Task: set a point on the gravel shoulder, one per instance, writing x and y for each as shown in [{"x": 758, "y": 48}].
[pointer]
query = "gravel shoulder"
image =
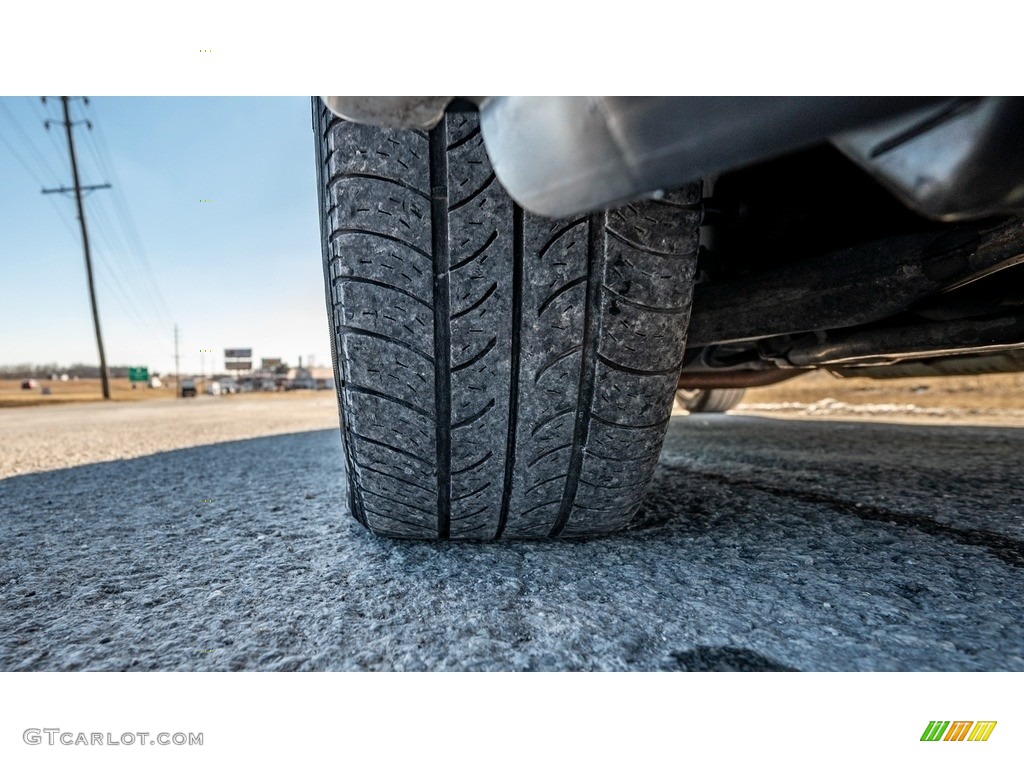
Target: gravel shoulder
[{"x": 60, "y": 436}]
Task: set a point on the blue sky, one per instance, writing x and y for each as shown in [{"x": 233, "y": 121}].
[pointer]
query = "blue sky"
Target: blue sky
[{"x": 241, "y": 271}]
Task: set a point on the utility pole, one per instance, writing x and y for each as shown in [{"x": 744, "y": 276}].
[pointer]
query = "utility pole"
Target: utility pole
[
  {"x": 78, "y": 189},
  {"x": 177, "y": 371}
]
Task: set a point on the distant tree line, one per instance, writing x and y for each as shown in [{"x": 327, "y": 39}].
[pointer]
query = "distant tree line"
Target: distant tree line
[{"x": 46, "y": 370}]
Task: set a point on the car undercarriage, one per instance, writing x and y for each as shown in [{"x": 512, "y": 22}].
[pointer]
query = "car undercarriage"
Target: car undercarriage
[{"x": 520, "y": 287}]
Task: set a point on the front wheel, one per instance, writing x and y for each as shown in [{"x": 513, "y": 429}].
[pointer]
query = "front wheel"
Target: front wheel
[{"x": 499, "y": 374}]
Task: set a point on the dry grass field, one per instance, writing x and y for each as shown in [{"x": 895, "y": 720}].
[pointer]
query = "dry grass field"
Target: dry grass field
[
  {"x": 996, "y": 400},
  {"x": 88, "y": 391},
  {"x": 999, "y": 390},
  {"x": 84, "y": 391},
  {"x": 974, "y": 393}
]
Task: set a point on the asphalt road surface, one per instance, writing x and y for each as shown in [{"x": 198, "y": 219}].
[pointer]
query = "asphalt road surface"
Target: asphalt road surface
[{"x": 765, "y": 545}]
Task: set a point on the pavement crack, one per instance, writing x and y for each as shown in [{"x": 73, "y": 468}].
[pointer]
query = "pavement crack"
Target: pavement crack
[{"x": 1005, "y": 548}]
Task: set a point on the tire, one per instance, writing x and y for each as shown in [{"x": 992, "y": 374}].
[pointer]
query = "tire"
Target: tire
[
  {"x": 498, "y": 374},
  {"x": 709, "y": 400}
]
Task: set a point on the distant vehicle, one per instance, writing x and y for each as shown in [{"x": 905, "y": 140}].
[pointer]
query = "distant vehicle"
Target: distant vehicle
[
  {"x": 29, "y": 383},
  {"x": 155, "y": 383},
  {"x": 213, "y": 388},
  {"x": 188, "y": 388},
  {"x": 228, "y": 386}
]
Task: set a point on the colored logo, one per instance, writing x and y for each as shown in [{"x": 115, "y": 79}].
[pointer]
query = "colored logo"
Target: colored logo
[{"x": 958, "y": 730}]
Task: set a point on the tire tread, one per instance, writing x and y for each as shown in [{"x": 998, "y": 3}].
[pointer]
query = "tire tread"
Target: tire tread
[{"x": 495, "y": 370}]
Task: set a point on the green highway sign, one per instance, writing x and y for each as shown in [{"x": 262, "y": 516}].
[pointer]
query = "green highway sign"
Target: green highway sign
[{"x": 138, "y": 374}]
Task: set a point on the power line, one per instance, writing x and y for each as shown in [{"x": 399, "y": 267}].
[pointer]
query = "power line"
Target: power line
[
  {"x": 110, "y": 233},
  {"x": 28, "y": 142},
  {"x": 63, "y": 217},
  {"x": 101, "y": 151},
  {"x": 104, "y": 248},
  {"x": 31, "y": 172},
  {"x": 120, "y": 248},
  {"x": 103, "y": 169},
  {"x": 99, "y": 212},
  {"x": 137, "y": 249},
  {"x": 124, "y": 301},
  {"x": 21, "y": 160},
  {"x": 124, "y": 254},
  {"x": 114, "y": 235},
  {"x": 110, "y": 253},
  {"x": 113, "y": 267}
]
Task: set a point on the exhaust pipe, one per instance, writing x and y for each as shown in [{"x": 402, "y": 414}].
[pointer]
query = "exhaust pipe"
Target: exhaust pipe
[{"x": 563, "y": 156}]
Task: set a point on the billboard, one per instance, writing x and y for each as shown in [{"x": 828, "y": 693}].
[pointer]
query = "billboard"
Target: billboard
[
  {"x": 238, "y": 365},
  {"x": 238, "y": 352},
  {"x": 270, "y": 363}
]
